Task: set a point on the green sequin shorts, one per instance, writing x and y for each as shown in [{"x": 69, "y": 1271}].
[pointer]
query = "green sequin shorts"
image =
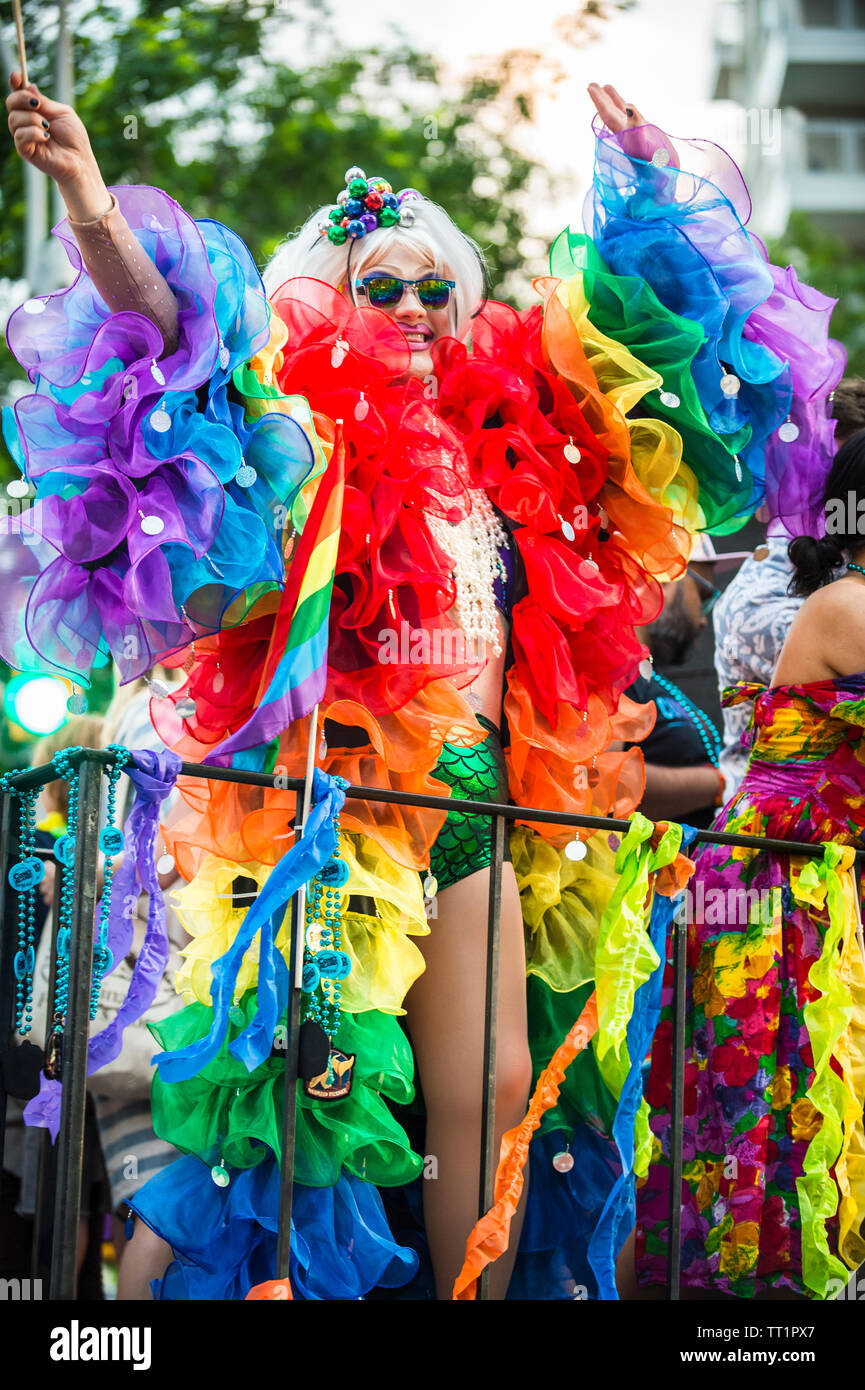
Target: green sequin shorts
[{"x": 464, "y": 843}]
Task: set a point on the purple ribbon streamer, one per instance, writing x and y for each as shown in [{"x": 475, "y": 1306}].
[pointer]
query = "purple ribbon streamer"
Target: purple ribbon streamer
[{"x": 153, "y": 776}]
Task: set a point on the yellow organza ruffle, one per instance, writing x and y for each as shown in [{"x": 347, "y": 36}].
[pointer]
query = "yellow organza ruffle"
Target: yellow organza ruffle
[
  {"x": 656, "y": 448},
  {"x": 850, "y": 1168},
  {"x": 833, "y": 1021},
  {"x": 207, "y": 911},
  {"x": 563, "y": 901},
  {"x": 385, "y": 961}
]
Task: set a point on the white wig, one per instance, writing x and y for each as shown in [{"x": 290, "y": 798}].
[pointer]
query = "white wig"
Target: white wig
[{"x": 454, "y": 256}]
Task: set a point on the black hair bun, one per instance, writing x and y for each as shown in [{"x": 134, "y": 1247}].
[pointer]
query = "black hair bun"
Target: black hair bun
[{"x": 814, "y": 562}]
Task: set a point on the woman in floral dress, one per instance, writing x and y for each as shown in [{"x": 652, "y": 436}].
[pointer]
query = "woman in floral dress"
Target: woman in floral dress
[{"x": 773, "y": 1144}]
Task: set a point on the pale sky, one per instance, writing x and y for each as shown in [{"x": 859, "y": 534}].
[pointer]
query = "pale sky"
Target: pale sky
[{"x": 659, "y": 56}]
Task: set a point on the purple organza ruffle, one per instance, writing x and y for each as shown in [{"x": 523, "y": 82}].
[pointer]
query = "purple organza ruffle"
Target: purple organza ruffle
[{"x": 116, "y": 434}]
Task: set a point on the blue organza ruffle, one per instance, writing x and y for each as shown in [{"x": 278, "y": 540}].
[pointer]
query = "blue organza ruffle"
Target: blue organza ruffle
[
  {"x": 682, "y": 230},
  {"x": 224, "y": 1238}
]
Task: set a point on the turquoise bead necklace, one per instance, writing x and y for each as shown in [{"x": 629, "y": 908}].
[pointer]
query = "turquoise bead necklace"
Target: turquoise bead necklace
[
  {"x": 860, "y": 569},
  {"x": 24, "y": 877},
  {"x": 29, "y": 872},
  {"x": 110, "y": 843},
  {"x": 64, "y": 853},
  {"x": 709, "y": 736}
]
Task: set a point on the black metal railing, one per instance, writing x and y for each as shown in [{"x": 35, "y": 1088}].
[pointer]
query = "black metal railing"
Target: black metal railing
[{"x": 67, "y": 1193}]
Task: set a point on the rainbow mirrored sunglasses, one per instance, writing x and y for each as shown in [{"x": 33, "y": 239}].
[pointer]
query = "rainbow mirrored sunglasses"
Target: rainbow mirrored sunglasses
[
  {"x": 365, "y": 204},
  {"x": 383, "y": 291}
]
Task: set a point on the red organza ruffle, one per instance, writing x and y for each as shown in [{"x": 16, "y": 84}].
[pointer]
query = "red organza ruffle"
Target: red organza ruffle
[{"x": 591, "y": 540}]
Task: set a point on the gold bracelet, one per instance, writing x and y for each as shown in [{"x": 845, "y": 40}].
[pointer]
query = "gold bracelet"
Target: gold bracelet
[{"x": 94, "y": 221}]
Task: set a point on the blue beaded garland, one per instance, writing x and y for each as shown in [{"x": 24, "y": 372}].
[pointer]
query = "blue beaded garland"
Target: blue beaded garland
[
  {"x": 64, "y": 850},
  {"x": 26, "y": 874},
  {"x": 24, "y": 877},
  {"x": 110, "y": 842},
  {"x": 325, "y": 967}
]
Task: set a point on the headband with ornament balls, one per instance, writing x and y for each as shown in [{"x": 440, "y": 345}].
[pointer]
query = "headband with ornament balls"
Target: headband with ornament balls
[{"x": 365, "y": 205}]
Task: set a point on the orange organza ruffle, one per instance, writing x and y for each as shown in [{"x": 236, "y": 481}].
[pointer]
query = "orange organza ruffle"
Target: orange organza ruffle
[
  {"x": 565, "y": 768},
  {"x": 646, "y": 523},
  {"x": 253, "y": 823},
  {"x": 671, "y": 878},
  {"x": 276, "y": 1290},
  {"x": 489, "y": 1237}
]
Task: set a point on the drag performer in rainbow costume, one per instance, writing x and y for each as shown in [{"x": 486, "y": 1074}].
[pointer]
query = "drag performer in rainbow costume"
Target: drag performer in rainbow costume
[{"x": 249, "y": 484}]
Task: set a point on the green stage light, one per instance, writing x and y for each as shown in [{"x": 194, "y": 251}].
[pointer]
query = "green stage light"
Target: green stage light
[{"x": 37, "y": 703}]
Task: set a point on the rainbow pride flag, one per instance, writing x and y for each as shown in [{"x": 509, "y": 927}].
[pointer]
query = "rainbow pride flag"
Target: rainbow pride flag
[{"x": 295, "y": 670}]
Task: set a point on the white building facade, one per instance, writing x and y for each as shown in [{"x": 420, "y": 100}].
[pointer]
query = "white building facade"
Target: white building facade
[{"x": 797, "y": 67}]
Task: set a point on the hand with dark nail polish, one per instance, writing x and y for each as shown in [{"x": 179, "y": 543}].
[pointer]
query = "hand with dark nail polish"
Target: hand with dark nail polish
[{"x": 53, "y": 140}]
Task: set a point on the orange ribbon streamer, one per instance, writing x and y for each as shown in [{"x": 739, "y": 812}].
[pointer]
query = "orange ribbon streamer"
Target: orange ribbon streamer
[
  {"x": 489, "y": 1237},
  {"x": 671, "y": 878},
  {"x": 272, "y": 1289}
]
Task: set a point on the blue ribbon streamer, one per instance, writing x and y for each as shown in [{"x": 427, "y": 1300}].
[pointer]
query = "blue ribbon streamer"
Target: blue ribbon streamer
[
  {"x": 620, "y": 1208},
  {"x": 302, "y": 862}
]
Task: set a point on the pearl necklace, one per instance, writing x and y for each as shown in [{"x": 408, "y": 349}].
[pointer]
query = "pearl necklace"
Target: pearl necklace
[{"x": 473, "y": 546}]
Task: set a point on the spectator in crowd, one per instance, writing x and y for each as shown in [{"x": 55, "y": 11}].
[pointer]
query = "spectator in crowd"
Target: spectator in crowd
[{"x": 755, "y": 611}]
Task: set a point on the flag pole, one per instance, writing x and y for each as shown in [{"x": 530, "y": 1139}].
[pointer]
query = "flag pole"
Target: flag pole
[
  {"x": 307, "y": 798},
  {"x": 298, "y": 942},
  {"x": 19, "y": 34},
  {"x": 311, "y": 750}
]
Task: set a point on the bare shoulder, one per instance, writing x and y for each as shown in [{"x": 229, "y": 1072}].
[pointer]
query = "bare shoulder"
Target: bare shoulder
[
  {"x": 827, "y": 636},
  {"x": 837, "y": 624},
  {"x": 844, "y": 598}
]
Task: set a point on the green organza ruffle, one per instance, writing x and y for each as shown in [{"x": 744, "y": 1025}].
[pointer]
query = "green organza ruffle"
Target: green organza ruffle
[
  {"x": 227, "y": 1113},
  {"x": 626, "y": 959},
  {"x": 627, "y": 309},
  {"x": 583, "y": 1096}
]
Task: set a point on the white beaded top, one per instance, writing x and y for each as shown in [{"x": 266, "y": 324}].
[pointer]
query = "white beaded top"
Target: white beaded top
[{"x": 473, "y": 546}]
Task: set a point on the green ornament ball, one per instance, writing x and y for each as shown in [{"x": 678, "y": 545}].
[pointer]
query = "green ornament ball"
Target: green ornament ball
[
  {"x": 388, "y": 216},
  {"x": 337, "y": 235},
  {"x": 358, "y": 188}
]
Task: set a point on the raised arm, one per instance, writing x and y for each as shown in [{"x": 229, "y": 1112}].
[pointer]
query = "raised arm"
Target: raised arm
[
  {"x": 53, "y": 139},
  {"x": 640, "y": 140}
]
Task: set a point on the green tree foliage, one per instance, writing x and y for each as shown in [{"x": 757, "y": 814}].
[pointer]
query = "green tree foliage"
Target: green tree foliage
[
  {"x": 826, "y": 262},
  {"x": 207, "y": 102},
  {"x": 250, "y": 113}
]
